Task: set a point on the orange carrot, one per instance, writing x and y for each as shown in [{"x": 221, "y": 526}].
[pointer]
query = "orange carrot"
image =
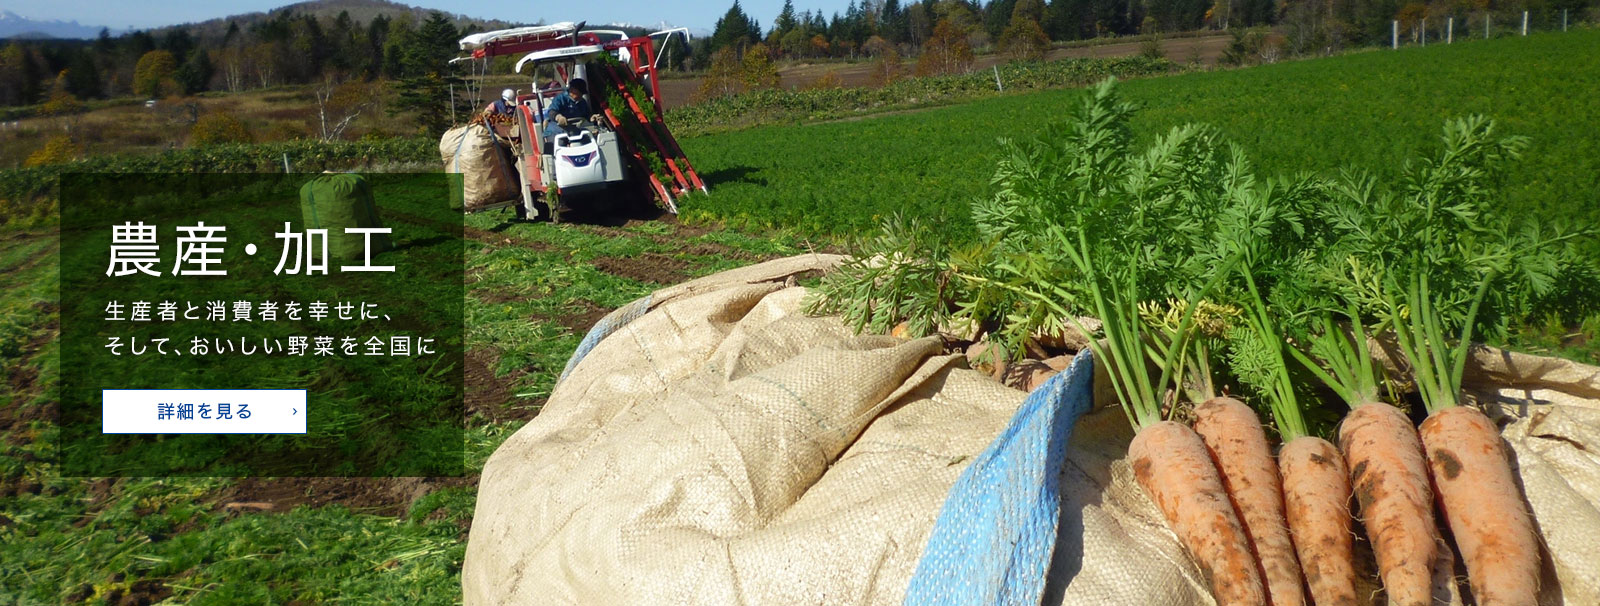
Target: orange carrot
[
  {"x": 1390, "y": 480},
  {"x": 1316, "y": 497},
  {"x": 1237, "y": 444},
  {"x": 1172, "y": 465},
  {"x": 1483, "y": 506}
]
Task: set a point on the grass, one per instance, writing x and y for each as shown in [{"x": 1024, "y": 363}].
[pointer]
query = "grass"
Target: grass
[
  {"x": 1366, "y": 110},
  {"x": 87, "y": 541}
]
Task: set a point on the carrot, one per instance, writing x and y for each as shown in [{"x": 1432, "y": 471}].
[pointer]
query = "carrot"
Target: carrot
[
  {"x": 1233, "y": 436},
  {"x": 1483, "y": 506},
  {"x": 1316, "y": 495},
  {"x": 1172, "y": 465},
  {"x": 1390, "y": 480},
  {"x": 1169, "y": 460}
]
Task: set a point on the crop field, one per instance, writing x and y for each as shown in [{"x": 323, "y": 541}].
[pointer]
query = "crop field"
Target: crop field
[
  {"x": 534, "y": 289},
  {"x": 1366, "y": 111}
]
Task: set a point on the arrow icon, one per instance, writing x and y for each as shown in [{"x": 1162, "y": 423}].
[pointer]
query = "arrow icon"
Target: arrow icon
[{"x": 296, "y": 411}]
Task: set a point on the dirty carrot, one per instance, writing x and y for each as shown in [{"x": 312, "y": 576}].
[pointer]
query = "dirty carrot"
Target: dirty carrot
[
  {"x": 1477, "y": 490},
  {"x": 1316, "y": 496},
  {"x": 1172, "y": 465},
  {"x": 1169, "y": 460},
  {"x": 1483, "y": 506},
  {"x": 1383, "y": 456},
  {"x": 1233, "y": 436},
  {"x": 1391, "y": 485}
]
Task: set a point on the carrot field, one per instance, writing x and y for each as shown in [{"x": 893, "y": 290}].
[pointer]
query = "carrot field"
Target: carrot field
[{"x": 1368, "y": 110}]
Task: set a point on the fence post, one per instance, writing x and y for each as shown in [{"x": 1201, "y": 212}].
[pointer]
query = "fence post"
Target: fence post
[
  {"x": 1424, "y": 31},
  {"x": 1563, "y": 19},
  {"x": 1486, "y": 18},
  {"x": 1524, "y": 23},
  {"x": 997, "y": 83},
  {"x": 285, "y": 161},
  {"x": 1450, "y": 30},
  {"x": 1394, "y": 34}
]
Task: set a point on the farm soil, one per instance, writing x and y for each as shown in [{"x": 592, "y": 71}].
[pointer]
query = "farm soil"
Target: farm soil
[{"x": 380, "y": 496}]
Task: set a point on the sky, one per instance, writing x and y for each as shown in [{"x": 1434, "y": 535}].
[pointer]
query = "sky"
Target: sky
[{"x": 698, "y": 16}]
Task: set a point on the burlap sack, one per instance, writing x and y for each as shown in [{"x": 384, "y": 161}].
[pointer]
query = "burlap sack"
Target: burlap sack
[
  {"x": 486, "y": 173},
  {"x": 712, "y": 445}
]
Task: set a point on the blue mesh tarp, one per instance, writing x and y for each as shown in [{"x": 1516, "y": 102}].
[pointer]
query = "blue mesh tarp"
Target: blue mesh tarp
[
  {"x": 613, "y": 322},
  {"x": 994, "y": 537}
]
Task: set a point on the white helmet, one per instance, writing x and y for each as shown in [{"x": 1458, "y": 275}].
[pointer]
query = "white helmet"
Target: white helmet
[{"x": 508, "y": 94}]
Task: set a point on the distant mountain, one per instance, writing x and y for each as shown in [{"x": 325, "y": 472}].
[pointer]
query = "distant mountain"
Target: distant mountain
[
  {"x": 362, "y": 11},
  {"x": 13, "y": 25}
]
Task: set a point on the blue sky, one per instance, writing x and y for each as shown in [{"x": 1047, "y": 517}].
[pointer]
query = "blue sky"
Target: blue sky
[{"x": 142, "y": 14}]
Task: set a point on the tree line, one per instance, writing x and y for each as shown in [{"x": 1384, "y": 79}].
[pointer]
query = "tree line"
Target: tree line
[
  {"x": 289, "y": 48},
  {"x": 872, "y": 26},
  {"x": 286, "y": 48}
]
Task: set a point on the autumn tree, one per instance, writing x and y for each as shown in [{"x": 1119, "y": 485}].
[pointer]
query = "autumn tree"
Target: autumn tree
[
  {"x": 723, "y": 78},
  {"x": 219, "y": 127},
  {"x": 60, "y": 101},
  {"x": 887, "y": 68},
  {"x": 820, "y": 46},
  {"x": 757, "y": 69},
  {"x": 946, "y": 52},
  {"x": 1024, "y": 39},
  {"x": 58, "y": 150},
  {"x": 153, "y": 75}
]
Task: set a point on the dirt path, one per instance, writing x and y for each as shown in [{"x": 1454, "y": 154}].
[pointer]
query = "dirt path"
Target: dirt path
[{"x": 1205, "y": 49}]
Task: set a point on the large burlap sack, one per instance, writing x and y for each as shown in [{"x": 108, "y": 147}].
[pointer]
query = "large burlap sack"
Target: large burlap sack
[
  {"x": 486, "y": 173},
  {"x": 338, "y": 201},
  {"x": 712, "y": 445}
]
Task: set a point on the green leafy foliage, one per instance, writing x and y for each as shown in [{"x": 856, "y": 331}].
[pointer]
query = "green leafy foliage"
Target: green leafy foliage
[
  {"x": 1366, "y": 111},
  {"x": 1083, "y": 222},
  {"x": 766, "y": 106}
]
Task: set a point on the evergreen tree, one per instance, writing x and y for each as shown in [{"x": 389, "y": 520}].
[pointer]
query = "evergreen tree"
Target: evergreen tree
[
  {"x": 892, "y": 23},
  {"x": 786, "y": 21},
  {"x": 735, "y": 29},
  {"x": 195, "y": 74},
  {"x": 997, "y": 15}
]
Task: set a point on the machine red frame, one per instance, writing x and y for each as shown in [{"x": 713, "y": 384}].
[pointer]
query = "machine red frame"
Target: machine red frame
[{"x": 640, "y": 68}]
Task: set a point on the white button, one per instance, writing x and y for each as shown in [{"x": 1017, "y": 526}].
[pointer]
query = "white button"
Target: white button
[{"x": 156, "y": 411}]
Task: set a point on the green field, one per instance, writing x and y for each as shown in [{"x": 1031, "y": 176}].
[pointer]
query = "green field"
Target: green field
[
  {"x": 534, "y": 289},
  {"x": 1370, "y": 110}
]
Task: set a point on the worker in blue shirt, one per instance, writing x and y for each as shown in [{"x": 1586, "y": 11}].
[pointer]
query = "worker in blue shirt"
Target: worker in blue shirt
[
  {"x": 506, "y": 104},
  {"x": 569, "y": 108}
]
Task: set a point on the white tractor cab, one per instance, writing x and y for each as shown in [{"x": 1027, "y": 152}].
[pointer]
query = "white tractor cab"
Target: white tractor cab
[
  {"x": 585, "y": 163},
  {"x": 582, "y": 157}
]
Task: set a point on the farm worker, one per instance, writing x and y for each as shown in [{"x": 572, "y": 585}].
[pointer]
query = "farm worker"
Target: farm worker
[
  {"x": 506, "y": 104},
  {"x": 568, "y": 108}
]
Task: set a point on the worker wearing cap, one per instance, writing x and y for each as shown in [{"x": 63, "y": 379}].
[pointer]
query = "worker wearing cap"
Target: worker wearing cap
[
  {"x": 568, "y": 108},
  {"x": 506, "y": 104}
]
